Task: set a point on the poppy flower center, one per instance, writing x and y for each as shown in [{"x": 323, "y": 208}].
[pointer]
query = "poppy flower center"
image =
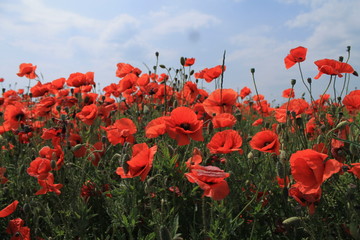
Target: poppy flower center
[
  {"x": 185, "y": 126},
  {"x": 19, "y": 116}
]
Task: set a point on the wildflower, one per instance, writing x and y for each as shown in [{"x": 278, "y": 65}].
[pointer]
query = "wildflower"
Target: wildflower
[
  {"x": 220, "y": 101},
  {"x": 196, "y": 158},
  {"x": 9, "y": 209},
  {"x": 266, "y": 141},
  {"x": 80, "y": 79},
  {"x": 355, "y": 169},
  {"x": 223, "y": 120},
  {"x": 123, "y": 69},
  {"x": 189, "y": 62},
  {"x": 39, "y": 168},
  {"x": 140, "y": 163},
  {"x": 332, "y": 67},
  {"x": 244, "y": 92},
  {"x": 296, "y": 55},
  {"x": 88, "y": 114},
  {"x": 288, "y": 93},
  {"x": 156, "y": 127},
  {"x": 211, "y": 179},
  {"x": 209, "y": 74},
  {"x": 352, "y": 101},
  {"x": 183, "y": 125},
  {"x": 47, "y": 185},
  {"x": 305, "y": 199},
  {"x": 27, "y": 70},
  {"x": 17, "y": 230},
  {"x": 310, "y": 169},
  {"x": 121, "y": 131},
  {"x": 225, "y": 142}
]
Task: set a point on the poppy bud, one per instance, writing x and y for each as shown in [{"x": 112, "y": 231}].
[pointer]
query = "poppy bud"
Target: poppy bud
[
  {"x": 103, "y": 139},
  {"x": 250, "y": 155},
  {"x": 291, "y": 220},
  {"x": 252, "y": 70},
  {"x": 192, "y": 72},
  {"x": 162, "y": 66},
  {"x": 77, "y": 147},
  {"x": 355, "y": 73},
  {"x": 58, "y": 108},
  {"x": 309, "y": 80},
  {"x": 342, "y": 124},
  {"x": 53, "y": 164},
  {"x": 341, "y": 59},
  {"x": 182, "y": 61},
  {"x": 348, "y": 48},
  {"x": 157, "y": 54},
  {"x": 293, "y": 82}
]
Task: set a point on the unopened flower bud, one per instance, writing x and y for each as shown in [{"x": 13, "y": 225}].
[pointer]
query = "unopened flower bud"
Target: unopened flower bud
[{"x": 293, "y": 82}]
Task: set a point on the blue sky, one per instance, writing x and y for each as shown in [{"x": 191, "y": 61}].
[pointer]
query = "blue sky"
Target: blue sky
[{"x": 63, "y": 37}]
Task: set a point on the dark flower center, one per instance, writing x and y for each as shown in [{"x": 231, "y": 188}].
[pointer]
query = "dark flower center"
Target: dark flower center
[
  {"x": 19, "y": 116},
  {"x": 185, "y": 126}
]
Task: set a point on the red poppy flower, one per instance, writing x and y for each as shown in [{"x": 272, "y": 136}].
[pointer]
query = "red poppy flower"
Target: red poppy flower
[
  {"x": 80, "y": 79},
  {"x": 88, "y": 114},
  {"x": 211, "y": 180},
  {"x": 310, "y": 169},
  {"x": 55, "y": 154},
  {"x": 332, "y": 67},
  {"x": 39, "y": 168},
  {"x": 47, "y": 185},
  {"x": 225, "y": 142},
  {"x": 123, "y": 69},
  {"x": 9, "y": 209},
  {"x": 17, "y": 230},
  {"x": 223, "y": 120},
  {"x": 305, "y": 199},
  {"x": 297, "y": 105},
  {"x": 156, "y": 127},
  {"x": 220, "y": 101},
  {"x": 189, "y": 62},
  {"x": 189, "y": 93},
  {"x": 196, "y": 158},
  {"x": 355, "y": 169},
  {"x": 288, "y": 93},
  {"x": 27, "y": 70},
  {"x": 244, "y": 92},
  {"x": 209, "y": 74},
  {"x": 296, "y": 55},
  {"x": 352, "y": 101},
  {"x": 258, "y": 122},
  {"x": 140, "y": 163},
  {"x": 183, "y": 125},
  {"x": 121, "y": 131},
  {"x": 15, "y": 114},
  {"x": 266, "y": 141}
]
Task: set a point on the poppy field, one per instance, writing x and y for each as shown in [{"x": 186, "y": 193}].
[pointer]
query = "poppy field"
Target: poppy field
[{"x": 155, "y": 156}]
